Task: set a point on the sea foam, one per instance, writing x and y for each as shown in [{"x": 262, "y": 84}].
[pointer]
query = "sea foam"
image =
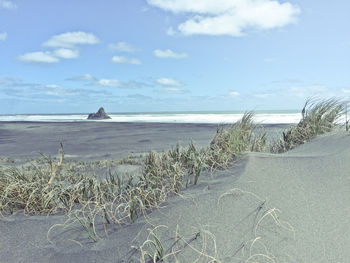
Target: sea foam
[{"x": 263, "y": 118}]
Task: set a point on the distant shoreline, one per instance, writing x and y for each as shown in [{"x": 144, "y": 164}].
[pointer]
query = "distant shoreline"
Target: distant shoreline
[
  {"x": 197, "y": 117},
  {"x": 161, "y": 112}
]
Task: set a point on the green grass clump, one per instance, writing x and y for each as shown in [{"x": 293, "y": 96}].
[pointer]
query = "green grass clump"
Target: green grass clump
[
  {"x": 228, "y": 144},
  {"x": 317, "y": 118},
  {"x": 176, "y": 168}
]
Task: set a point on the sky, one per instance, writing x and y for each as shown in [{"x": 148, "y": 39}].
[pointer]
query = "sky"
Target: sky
[{"x": 63, "y": 56}]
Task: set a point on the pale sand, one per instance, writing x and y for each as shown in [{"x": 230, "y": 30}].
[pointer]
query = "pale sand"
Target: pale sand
[{"x": 309, "y": 185}]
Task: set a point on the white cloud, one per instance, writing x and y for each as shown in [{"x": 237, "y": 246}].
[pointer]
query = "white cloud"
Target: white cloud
[
  {"x": 65, "y": 53},
  {"x": 125, "y": 60},
  {"x": 169, "y": 82},
  {"x": 347, "y": 91},
  {"x": 7, "y": 4},
  {"x": 66, "y": 47},
  {"x": 194, "y": 6},
  {"x": 227, "y": 17},
  {"x": 71, "y": 39},
  {"x": 3, "y": 36},
  {"x": 123, "y": 47},
  {"x": 234, "y": 93},
  {"x": 167, "y": 53},
  {"x": 107, "y": 83},
  {"x": 39, "y": 57},
  {"x": 48, "y": 56}
]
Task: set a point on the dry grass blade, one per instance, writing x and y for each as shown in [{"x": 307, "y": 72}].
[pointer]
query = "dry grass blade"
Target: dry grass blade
[{"x": 57, "y": 166}]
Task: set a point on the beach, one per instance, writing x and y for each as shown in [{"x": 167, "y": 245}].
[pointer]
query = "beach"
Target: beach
[
  {"x": 174, "y": 131},
  {"x": 96, "y": 140},
  {"x": 289, "y": 207}
]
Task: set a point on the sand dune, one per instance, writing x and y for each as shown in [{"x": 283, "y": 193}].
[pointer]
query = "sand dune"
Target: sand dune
[
  {"x": 291, "y": 207},
  {"x": 307, "y": 188}
]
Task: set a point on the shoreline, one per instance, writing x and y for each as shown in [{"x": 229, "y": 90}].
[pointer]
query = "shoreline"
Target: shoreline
[{"x": 266, "y": 117}]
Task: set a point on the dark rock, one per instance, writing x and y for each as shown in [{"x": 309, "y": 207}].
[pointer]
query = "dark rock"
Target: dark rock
[{"x": 100, "y": 115}]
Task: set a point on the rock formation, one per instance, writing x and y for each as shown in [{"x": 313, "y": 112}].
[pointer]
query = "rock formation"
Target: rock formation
[{"x": 100, "y": 115}]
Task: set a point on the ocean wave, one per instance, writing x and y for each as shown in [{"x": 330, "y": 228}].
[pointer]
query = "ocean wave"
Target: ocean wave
[{"x": 263, "y": 118}]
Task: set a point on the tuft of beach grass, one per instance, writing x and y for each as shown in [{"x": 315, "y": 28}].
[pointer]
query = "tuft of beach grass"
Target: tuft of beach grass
[
  {"x": 229, "y": 144},
  {"x": 318, "y": 117}
]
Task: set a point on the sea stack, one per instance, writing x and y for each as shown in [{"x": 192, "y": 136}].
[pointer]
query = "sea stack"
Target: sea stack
[{"x": 100, "y": 115}]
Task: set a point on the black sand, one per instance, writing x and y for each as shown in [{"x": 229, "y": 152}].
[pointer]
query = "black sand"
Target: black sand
[{"x": 291, "y": 207}]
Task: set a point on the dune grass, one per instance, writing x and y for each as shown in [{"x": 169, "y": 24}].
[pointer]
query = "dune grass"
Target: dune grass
[
  {"x": 229, "y": 144},
  {"x": 50, "y": 186},
  {"x": 46, "y": 188},
  {"x": 318, "y": 117}
]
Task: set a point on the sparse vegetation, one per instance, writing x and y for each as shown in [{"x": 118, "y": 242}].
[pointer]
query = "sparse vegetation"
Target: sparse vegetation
[
  {"x": 318, "y": 118},
  {"x": 50, "y": 186},
  {"x": 228, "y": 144}
]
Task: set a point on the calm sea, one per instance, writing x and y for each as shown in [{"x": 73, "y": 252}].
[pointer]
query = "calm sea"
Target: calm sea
[{"x": 263, "y": 117}]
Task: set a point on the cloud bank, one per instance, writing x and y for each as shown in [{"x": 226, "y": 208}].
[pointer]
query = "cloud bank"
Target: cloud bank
[{"x": 228, "y": 17}]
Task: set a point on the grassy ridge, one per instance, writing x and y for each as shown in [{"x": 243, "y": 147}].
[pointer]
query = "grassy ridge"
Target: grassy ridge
[
  {"x": 49, "y": 188},
  {"x": 53, "y": 187}
]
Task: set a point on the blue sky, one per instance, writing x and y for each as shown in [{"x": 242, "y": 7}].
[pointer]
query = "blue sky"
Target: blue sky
[{"x": 171, "y": 55}]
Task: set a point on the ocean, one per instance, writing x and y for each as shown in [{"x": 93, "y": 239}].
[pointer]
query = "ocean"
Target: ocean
[{"x": 262, "y": 117}]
